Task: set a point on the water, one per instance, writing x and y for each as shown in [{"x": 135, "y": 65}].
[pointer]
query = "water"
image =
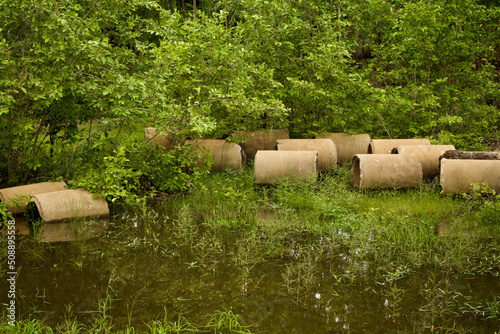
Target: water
[{"x": 280, "y": 280}]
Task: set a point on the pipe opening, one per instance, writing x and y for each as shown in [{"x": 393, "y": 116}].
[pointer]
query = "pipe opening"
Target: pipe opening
[
  {"x": 355, "y": 172},
  {"x": 370, "y": 148}
]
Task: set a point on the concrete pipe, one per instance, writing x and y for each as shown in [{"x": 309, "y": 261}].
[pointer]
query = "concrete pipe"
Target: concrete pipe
[
  {"x": 348, "y": 145},
  {"x": 457, "y": 175},
  {"x": 17, "y": 198},
  {"x": 223, "y": 153},
  {"x": 269, "y": 166},
  {"x": 68, "y": 204},
  {"x": 427, "y": 154},
  {"x": 327, "y": 153},
  {"x": 155, "y": 137},
  {"x": 260, "y": 140},
  {"x": 370, "y": 171},
  {"x": 385, "y": 146}
]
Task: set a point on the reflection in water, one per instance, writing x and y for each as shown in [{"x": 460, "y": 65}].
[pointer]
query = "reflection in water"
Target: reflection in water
[
  {"x": 21, "y": 226},
  {"x": 60, "y": 232},
  {"x": 70, "y": 231}
]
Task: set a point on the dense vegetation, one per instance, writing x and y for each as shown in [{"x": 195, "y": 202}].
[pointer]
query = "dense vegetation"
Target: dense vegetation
[{"x": 81, "y": 79}]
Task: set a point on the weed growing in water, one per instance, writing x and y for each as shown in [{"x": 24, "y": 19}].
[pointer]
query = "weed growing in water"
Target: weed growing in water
[
  {"x": 103, "y": 322},
  {"x": 185, "y": 229},
  {"x": 182, "y": 325},
  {"x": 299, "y": 276},
  {"x": 220, "y": 322}
]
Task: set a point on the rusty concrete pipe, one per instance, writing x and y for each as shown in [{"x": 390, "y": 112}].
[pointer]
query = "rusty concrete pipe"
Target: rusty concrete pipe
[
  {"x": 155, "y": 137},
  {"x": 223, "y": 153},
  {"x": 69, "y": 204}
]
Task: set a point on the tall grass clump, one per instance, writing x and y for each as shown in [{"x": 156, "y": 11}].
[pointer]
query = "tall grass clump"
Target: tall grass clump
[{"x": 226, "y": 197}]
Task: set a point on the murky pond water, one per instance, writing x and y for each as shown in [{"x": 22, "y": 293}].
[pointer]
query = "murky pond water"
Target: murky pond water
[{"x": 280, "y": 280}]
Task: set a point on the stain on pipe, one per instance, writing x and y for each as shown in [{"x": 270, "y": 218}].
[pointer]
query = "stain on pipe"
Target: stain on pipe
[{"x": 475, "y": 155}]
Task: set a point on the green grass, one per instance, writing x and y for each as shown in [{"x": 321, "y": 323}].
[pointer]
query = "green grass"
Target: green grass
[{"x": 218, "y": 322}]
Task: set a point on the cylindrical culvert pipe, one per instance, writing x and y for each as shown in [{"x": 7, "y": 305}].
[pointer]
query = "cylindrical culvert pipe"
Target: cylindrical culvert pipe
[
  {"x": 155, "y": 137},
  {"x": 327, "y": 153},
  {"x": 260, "y": 140},
  {"x": 269, "y": 166},
  {"x": 385, "y": 146},
  {"x": 348, "y": 145},
  {"x": 458, "y": 175},
  {"x": 17, "y": 198},
  {"x": 370, "y": 171},
  {"x": 223, "y": 153},
  {"x": 69, "y": 204},
  {"x": 427, "y": 154}
]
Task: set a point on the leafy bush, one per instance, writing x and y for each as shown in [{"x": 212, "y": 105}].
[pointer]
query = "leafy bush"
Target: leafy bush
[{"x": 141, "y": 171}]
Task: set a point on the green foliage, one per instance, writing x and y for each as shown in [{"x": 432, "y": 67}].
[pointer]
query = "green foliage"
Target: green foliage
[
  {"x": 5, "y": 215},
  {"x": 220, "y": 322},
  {"x": 113, "y": 180},
  {"x": 135, "y": 173},
  {"x": 207, "y": 83},
  {"x": 436, "y": 63},
  {"x": 167, "y": 172},
  {"x": 481, "y": 195},
  {"x": 300, "y": 42},
  {"x": 65, "y": 64},
  {"x": 483, "y": 201}
]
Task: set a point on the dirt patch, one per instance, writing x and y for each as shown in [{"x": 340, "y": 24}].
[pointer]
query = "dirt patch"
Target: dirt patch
[{"x": 476, "y": 155}]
